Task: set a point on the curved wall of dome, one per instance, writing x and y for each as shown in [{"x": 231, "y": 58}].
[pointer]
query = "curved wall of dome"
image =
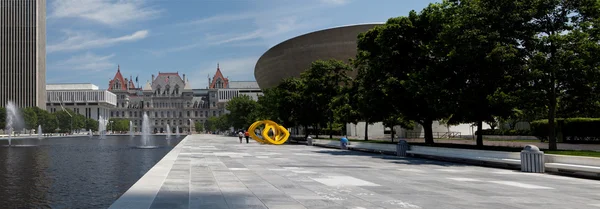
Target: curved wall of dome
[{"x": 294, "y": 56}]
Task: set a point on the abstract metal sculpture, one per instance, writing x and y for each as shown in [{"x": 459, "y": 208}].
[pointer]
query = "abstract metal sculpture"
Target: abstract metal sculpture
[{"x": 280, "y": 133}]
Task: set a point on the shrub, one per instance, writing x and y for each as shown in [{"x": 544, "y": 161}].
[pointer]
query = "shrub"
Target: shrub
[
  {"x": 499, "y": 132},
  {"x": 578, "y": 130}
]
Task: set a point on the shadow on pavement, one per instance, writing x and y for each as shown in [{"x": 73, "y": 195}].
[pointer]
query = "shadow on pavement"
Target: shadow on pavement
[{"x": 391, "y": 158}]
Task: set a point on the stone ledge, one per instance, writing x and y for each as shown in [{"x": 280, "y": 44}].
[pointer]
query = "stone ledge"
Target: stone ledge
[
  {"x": 587, "y": 167},
  {"x": 142, "y": 193}
]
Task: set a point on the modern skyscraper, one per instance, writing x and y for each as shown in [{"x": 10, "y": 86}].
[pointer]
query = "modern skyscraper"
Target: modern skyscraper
[{"x": 23, "y": 52}]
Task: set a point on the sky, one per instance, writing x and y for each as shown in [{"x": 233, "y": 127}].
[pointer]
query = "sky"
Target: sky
[{"x": 88, "y": 39}]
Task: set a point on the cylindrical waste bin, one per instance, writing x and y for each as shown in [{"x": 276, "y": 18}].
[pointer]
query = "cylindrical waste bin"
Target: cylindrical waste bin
[
  {"x": 401, "y": 148},
  {"x": 532, "y": 160},
  {"x": 309, "y": 141}
]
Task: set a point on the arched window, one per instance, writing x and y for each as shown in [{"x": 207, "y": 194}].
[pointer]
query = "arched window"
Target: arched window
[
  {"x": 157, "y": 92},
  {"x": 176, "y": 92},
  {"x": 167, "y": 90}
]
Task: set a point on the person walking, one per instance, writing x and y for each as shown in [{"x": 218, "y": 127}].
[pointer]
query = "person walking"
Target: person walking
[
  {"x": 247, "y": 135},
  {"x": 241, "y": 135}
]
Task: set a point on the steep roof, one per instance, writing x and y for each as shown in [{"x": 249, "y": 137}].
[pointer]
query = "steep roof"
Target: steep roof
[
  {"x": 188, "y": 85},
  {"x": 131, "y": 84},
  {"x": 218, "y": 74},
  {"x": 148, "y": 86},
  {"x": 118, "y": 77}
]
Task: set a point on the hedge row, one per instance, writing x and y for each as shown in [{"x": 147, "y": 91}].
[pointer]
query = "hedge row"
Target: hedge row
[
  {"x": 574, "y": 130},
  {"x": 499, "y": 132}
]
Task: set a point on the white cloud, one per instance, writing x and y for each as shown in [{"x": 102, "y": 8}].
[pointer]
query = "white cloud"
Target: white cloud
[
  {"x": 108, "y": 12},
  {"x": 86, "y": 40},
  {"x": 88, "y": 62},
  {"x": 219, "y": 19},
  {"x": 237, "y": 69},
  {"x": 336, "y": 2},
  {"x": 269, "y": 25}
]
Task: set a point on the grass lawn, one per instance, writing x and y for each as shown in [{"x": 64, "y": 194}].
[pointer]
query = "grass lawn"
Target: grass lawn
[
  {"x": 583, "y": 153},
  {"x": 574, "y": 153},
  {"x": 493, "y": 139}
]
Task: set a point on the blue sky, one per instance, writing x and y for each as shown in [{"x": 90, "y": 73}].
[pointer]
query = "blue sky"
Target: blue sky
[{"x": 87, "y": 39}]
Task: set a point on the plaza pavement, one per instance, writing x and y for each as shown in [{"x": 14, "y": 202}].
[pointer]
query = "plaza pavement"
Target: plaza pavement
[{"x": 209, "y": 171}]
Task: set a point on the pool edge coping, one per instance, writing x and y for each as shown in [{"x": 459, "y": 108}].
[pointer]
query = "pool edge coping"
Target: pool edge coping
[{"x": 142, "y": 193}]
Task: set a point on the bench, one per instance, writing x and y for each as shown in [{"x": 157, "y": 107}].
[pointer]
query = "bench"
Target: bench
[
  {"x": 561, "y": 163},
  {"x": 512, "y": 159}
]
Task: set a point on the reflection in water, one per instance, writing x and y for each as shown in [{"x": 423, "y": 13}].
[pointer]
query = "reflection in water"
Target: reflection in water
[{"x": 73, "y": 172}]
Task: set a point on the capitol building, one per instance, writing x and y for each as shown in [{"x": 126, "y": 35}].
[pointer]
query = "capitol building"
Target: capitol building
[{"x": 168, "y": 99}]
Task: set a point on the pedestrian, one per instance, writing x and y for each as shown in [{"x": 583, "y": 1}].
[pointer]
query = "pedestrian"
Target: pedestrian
[
  {"x": 247, "y": 135},
  {"x": 241, "y": 135},
  {"x": 344, "y": 143}
]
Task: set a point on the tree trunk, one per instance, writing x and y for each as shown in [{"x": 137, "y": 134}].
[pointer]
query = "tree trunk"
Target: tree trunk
[
  {"x": 552, "y": 106},
  {"x": 366, "y": 131},
  {"x": 392, "y": 133},
  {"x": 317, "y": 131},
  {"x": 428, "y": 131},
  {"x": 479, "y": 133},
  {"x": 551, "y": 117},
  {"x": 331, "y": 128},
  {"x": 306, "y": 131}
]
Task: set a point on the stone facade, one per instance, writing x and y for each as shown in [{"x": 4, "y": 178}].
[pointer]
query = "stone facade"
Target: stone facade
[
  {"x": 23, "y": 53},
  {"x": 169, "y": 99},
  {"x": 84, "y": 99}
]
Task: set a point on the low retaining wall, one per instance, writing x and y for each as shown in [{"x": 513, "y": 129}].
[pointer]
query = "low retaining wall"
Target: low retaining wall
[{"x": 585, "y": 166}]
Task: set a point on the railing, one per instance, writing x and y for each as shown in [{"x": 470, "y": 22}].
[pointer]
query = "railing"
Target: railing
[{"x": 436, "y": 135}]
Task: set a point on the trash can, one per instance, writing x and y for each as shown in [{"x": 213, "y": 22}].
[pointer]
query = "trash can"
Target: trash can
[
  {"x": 532, "y": 160},
  {"x": 401, "y": 148},
  {"x": 309, "y": 141}
]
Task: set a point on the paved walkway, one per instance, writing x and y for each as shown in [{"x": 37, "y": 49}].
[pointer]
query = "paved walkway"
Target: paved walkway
[{"x": 208, "y": 171}]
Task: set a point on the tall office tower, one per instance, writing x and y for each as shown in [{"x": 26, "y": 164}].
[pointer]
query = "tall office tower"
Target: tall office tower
[{"x": 23, "y": 52}]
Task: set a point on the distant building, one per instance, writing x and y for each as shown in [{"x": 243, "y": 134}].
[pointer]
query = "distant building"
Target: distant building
[
  {"x": 23, "y": 53},
  {"x": 226, "y": 90},
  {"x": 168, "y": 99},
  {"x": 85, "y": 99}
]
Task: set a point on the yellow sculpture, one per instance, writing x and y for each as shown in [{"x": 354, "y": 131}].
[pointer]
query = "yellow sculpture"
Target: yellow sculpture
[{"x": 280, "y": 133}]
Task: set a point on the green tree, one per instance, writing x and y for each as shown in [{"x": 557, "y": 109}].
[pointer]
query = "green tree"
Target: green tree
[
  {"x": 371, "y": 101},
  {"x": 294, "y": 109},
  {"x": 563, "y": 48},
  {"x": 269, "y": 105},
  {"x": 30, "y": 118},
  {"x": 404, "y": 57},
  {"x": 324, "y": 81},
  {"x": 345, "y": 106},
  {"x": 223, "y": 122},
  {"x": 242, "y": 111},
  {"x": 48, "y": 121},
  {"x": 79, "y": 121},
  {"x": 91, "y": 124},
  {"x": 118, "y": 125},
  {"x": 487, "y": 60},
  {"x": 65, "y": 120},
  {"x": 199, "y": 127},
  {"x": 211, "y": 123},
  {"x": 397, "y": 120}
]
